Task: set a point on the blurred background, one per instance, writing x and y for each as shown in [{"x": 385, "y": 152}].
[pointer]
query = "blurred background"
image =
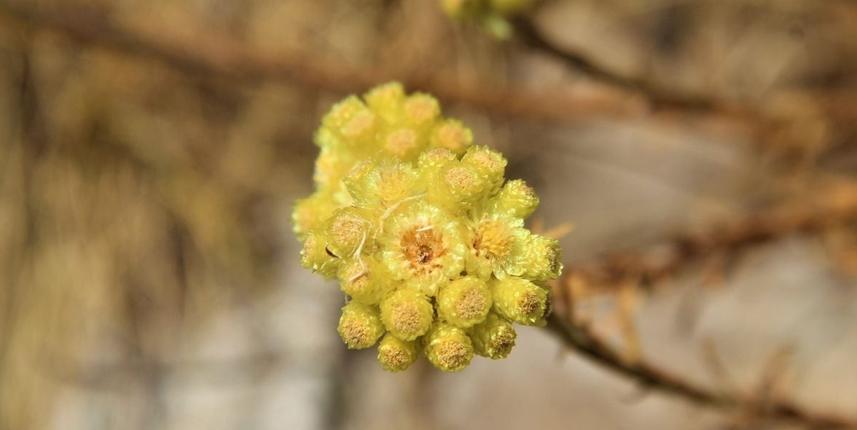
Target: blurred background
[{"x": 150, "y": 152}]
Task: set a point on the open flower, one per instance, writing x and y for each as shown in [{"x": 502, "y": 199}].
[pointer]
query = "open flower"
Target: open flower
[
  {"x": 496, "y": 245},
  {"x": 422, "y": 246}
]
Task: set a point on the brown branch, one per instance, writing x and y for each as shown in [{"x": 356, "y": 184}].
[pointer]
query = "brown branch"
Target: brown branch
[
  {"x": 828, "y": 206},
  {"x": 213, "y": 55},
  {"x": 216, "y": 56},
  {"x": 585, "y": 342},
  {"x": 831, "y": 206},
  {"x": 659, "y": 97}
]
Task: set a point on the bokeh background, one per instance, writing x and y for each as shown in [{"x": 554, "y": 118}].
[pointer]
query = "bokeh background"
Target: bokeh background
[{"x": 150, "y": 152}]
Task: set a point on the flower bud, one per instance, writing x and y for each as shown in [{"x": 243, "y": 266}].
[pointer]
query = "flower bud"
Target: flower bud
[
  {"x": 464, "y": 302},
  {"x": 448, "y": 348},
  {"x": 432, "y": 159},
  {"x": 310, "y": 212},
  {"x": 314, "y": 256},
  {"x": 493, "y": 338},
  {"x": 359, "y": 326},
  {"x": 457, "y": 187},
  {"x": 491, "y": 15},
  {"x": 360, "y": 127},
  {"x": 384, "y": 184},
  {"x": 462, "y": 8},
  {"x": 386, "y": 100},
  {"x": 343, "y": 112},
  {"x": 520, "y": 300},
  {"x": 330, "y": 166},
  {"x": 540, "y": 260},
  {"x": 403, "y": 143},
  {"x": 396, "y": 355},
  {"x": 407, "y": 314},
  {"x": 364, "y": 279},
  {"x": 421, "y": 109},
  {"x": 488, "y": 163},
  {"x": 452, "y": 135},
  {"x": 347, "y": 231},
  {"x": 516, "y": 198}
]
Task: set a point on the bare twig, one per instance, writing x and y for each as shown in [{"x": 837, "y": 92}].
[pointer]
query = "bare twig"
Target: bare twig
[
  {"x": 584, "y": 341},
  {"x": 216, "y": 56},
  {"x": 770, "y": 128},
  {"x": 829, "y": 206},
  {"x": 659, "y": 97},
  {"x": 833, "y": 205},
  {"x": 221, "y": 57}
]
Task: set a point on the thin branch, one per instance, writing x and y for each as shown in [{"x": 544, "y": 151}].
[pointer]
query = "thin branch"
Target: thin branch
[
  {"x": 216, "y": 56},
  {"x": 584, "y": 341},
  {"x": 828, "y": 206},
  {"x": 659, "y": 97},
  {"x": 833, "y": 205}
]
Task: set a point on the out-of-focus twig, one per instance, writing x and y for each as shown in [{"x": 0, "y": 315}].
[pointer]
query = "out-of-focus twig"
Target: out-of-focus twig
[
  {"x": 218, "y": 56},
  {"x": 659, "y": 97},
  {"x": 222, "y": 57},
  {"x": 813, "y": 110},
  {"x": 828, "y": 206},
  {"x": 832, "y": 205},
  {"x": 584, "y": 341}
]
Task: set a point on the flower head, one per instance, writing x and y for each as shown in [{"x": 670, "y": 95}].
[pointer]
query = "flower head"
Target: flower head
[
  {"x": 423, "y": 232},
  {"x": 395, "y": 354},
  {"x": 452, "y": 135},
  {"x": 359, "y": 326},
  {"x": 521, "y": 301},
  {"x": 496, "y": 245},
  {"x": 540, "y": 260},
  {"x": 516, "y": 199},
  {"x": 464, "y": 302},
  {"x": 407, "y": 314},
  {"x": 383, "y": 185},
  {"x": 489, "y": 164},
  {"x": 364, "y": 279},
  {"x": 422, "y": 247},
  {"x": 493, "y": 338},
  {"x": 449, "y": 348},
  {"x": 491, "y": 15},
  {"x": 348, "y": 231},
  {"x": 316, "y": 257}
]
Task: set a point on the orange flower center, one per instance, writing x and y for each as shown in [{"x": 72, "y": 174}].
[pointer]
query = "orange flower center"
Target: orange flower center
[{"x": 422, "y": 247}]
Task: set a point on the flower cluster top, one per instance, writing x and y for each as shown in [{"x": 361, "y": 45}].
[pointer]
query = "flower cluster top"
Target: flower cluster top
[
  {"x": 423, "y": 232},
  {"x": 492, "y": 15}
]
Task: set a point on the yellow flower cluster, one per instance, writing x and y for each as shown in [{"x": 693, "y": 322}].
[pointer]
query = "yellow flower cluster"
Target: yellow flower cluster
[
  {"x": 423, "y": 232},
  {"x": 491, "y": 15}
]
